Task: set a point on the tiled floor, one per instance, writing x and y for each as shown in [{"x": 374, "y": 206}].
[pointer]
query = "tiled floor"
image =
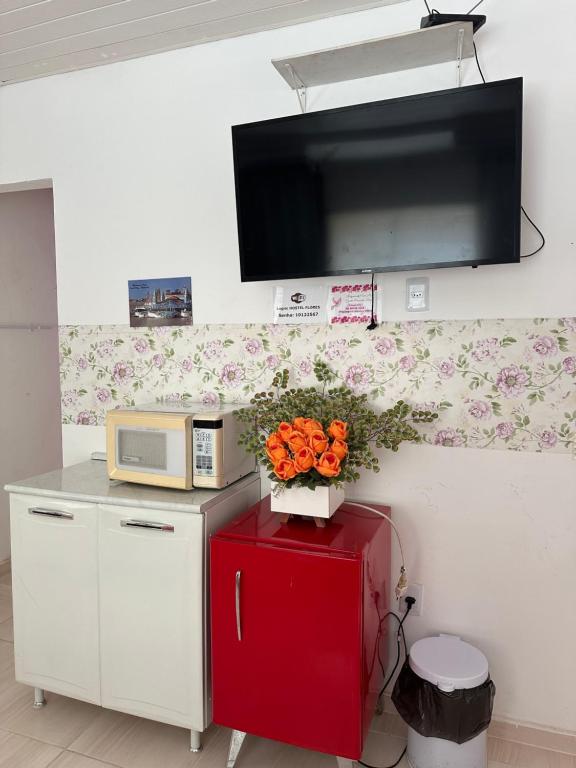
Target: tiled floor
[{"x": 71, "y": 734}]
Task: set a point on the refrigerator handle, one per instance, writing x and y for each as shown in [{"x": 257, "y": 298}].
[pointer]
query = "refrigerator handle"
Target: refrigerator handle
[{"x": 238, "y": 621}]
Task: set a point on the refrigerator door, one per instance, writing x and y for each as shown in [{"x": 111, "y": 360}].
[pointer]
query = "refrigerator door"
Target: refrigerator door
[{"x": 287, "y": 644}]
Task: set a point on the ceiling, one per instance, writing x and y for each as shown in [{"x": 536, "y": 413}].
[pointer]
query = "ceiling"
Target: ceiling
[{"x": 45, "y": 37}]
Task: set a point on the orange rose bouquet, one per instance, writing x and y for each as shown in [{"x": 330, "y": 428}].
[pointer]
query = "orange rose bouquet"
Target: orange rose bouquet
[
  {"x": 303, "y": 446},
  {"x": 312, "y": 437}
]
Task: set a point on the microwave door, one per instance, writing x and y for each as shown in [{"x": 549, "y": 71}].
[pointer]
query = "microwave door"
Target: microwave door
[
  {"x": 141, "y": 449},
  {"x": 152, "y": 451}
]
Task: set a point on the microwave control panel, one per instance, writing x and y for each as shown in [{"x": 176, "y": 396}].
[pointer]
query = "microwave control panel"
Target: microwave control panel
[{"x": 204, "y": 441}]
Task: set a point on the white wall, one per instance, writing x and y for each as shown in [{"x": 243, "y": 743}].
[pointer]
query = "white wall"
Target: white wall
[
  {"x": 30, "y": 434},
  {"x": 140, "y": 155}
]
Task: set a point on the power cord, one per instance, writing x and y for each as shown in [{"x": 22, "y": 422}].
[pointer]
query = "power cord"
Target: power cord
[
  {"x": 399, "y": 591},
  {"x": 474, "y": 8},
  {"x": 410, "y": 601},
  {"x": 393, "y": 765},
  {"x": 536, "y": 227},
  {"x": 542, "y": 244},
  {"x": 373, "y": 323},
  {"x": 477, "y": 62},
  {"x": 403, "y": 579},
  {"x": 430, "y": 12}
]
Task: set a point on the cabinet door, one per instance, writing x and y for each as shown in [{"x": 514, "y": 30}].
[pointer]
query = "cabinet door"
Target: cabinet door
[
  {"x": 55, "y": 578},
  {"x": 151, "y": 598},
  {"x": 286, "y": 645}
]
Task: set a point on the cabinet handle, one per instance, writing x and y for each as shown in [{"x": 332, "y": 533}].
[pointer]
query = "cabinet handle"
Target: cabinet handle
[
  {"x": 238, "y": 621},
  {"x": 51, "y": 513},
  {"x": 166, "y": 527}
]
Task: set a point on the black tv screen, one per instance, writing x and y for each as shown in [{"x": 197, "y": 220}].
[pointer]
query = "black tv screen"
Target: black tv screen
[{"x": 413, "y": 183}]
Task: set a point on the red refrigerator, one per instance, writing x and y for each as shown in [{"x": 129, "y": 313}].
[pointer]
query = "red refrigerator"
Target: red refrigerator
[{"x": 297, "y": 624}]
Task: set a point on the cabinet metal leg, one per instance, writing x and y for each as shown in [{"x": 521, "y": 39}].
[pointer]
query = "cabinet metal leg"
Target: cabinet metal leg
[
  {"x": 235, "y": 744},
  {"x": 195, "y": 741},
  {"x": 39, "y": 699},
  {"x": 344, "y": 762}
]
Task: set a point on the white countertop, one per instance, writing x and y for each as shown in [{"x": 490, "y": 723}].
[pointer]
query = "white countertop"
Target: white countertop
[{"x": 89, "y": 482}]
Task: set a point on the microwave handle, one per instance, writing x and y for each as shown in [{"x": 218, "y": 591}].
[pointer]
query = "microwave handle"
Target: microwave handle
[{"x": 148, "y": 524}]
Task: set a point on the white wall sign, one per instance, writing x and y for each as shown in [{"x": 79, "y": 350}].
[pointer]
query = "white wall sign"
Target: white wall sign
[
  {"x": 352, "y": 303},
  {"x": 300, "y": 304}
]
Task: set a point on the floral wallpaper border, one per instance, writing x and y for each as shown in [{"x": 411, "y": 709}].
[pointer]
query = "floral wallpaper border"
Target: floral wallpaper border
[{"x": 496, "y": 384}]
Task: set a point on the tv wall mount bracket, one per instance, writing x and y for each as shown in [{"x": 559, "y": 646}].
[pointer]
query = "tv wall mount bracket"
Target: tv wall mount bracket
[
  {"x": 299, "y": 87},
  {"x": 451, "y": 41}
]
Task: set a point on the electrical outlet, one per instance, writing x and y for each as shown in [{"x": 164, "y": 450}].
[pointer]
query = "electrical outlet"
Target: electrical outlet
[
  {"x": 417, "y": 592},
  {"x": 417, "y": 294}
]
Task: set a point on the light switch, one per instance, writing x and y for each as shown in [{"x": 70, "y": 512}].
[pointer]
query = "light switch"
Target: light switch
[{"x": 417, "y": 294}]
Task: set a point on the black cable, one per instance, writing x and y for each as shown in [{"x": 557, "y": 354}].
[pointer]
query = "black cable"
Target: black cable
[
  {"x": 431, "y": 12},
  {"x": 399, "y": 634},
  {"x": 367, "y": 765},
  {"x": 536, "y": 227},
  {"x": 400, "y": 624},
  {"x": 373, "y": 323},
  {"x": 542, "y": 244},
  {"x": 474, "y": 8},
  {"x": 390, "y": 676},
  {"x": 478, "y": 63}
]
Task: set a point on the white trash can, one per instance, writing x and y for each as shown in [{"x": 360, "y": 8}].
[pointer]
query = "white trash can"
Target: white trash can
[{"x": 452, "y": 665}]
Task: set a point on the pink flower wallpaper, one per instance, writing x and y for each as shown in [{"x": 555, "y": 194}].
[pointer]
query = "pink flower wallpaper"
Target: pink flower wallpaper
[{"x": 504, "y": 384}]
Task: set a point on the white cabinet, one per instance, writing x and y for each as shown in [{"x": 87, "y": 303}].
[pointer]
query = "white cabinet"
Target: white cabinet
[
  {"x": 55, "y": 588},
  {"x": 110, "y": 599},
  {"x": 151, "y": 607}
]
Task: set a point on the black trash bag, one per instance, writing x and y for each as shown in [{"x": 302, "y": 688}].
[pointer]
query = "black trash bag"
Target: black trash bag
[{"x": 457, "y": 716}]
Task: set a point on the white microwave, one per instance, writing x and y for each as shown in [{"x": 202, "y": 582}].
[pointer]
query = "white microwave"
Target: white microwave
[{"x": 177, "y": 446}]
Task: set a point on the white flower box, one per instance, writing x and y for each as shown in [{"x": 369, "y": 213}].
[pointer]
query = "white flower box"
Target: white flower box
[{"x": 323, "y": 501}]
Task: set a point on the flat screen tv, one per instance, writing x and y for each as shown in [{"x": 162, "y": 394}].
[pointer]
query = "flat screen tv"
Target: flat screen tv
[{"x": 412, "y": 183}]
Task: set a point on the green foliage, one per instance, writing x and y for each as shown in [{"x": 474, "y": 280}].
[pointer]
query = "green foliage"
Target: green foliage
[{"x": 366, "y": 428}]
